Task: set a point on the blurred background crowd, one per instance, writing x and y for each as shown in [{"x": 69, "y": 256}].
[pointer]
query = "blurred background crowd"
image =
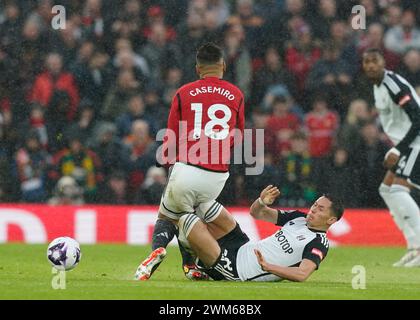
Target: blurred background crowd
[{"x": 80, "y": 107}]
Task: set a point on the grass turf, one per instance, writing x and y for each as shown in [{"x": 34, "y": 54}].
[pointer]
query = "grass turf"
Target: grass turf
[{"x": 105, "y": 272}]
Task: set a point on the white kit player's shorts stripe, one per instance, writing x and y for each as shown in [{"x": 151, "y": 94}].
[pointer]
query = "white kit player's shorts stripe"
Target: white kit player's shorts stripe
[
  {"x": 187, "y": 222},
  {"x": 211, "y": 215},
  {"x": 227, "y": 274}
]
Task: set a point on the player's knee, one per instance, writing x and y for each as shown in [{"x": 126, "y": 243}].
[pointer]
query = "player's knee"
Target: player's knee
[{"x": 187, "y": 222}]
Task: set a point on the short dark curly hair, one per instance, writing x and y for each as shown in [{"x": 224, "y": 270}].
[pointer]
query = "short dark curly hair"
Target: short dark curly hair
[
  {"x": 209, "y": 53},
  {"x": 337, "y": 206}
]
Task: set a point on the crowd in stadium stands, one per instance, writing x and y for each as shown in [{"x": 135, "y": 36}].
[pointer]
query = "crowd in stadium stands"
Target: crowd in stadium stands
[{"x": 80, "y": 106}]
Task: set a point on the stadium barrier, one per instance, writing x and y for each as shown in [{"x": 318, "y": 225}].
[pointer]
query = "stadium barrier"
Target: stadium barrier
[{"x": 134, "y": 225}]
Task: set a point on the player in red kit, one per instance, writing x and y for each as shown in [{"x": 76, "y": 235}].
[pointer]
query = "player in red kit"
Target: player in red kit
[{"x": 206, "y": 120}]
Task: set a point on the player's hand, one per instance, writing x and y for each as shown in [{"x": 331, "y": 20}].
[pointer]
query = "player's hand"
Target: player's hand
[
  {"x": 269, "y": 194},
  {"x": 261, "y": 260},
  {"x": 391, "y": 160}
]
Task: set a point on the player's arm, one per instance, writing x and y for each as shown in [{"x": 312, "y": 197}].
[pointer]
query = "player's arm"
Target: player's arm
[
  {"x": 402, "y": 95},
  {"x": 260, "y": 209},
  {"x": 298, "y": 274}
]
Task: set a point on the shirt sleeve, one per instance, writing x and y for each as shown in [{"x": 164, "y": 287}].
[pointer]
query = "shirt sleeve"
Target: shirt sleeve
[
  {"x": 316, "y": 250},
  {"x": 402, "y": 95},
  {"x": 285, "y": 216}
]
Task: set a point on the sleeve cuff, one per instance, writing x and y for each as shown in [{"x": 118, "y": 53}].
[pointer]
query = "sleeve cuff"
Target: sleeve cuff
[{"x": 394, "y": 151}]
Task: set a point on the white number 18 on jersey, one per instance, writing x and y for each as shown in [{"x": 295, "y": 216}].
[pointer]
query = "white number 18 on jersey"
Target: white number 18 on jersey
[{"x": 214, "y": 121}]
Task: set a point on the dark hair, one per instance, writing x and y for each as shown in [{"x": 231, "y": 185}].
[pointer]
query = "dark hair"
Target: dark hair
[
  {"x": 209, "y": 53},
  {"x": 337, "y": 206},
  {"x": 374, "y": 50}
]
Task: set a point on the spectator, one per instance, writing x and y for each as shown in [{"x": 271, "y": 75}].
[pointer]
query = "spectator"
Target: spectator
[
  {"x": 252, "y": 23},
  {"x": 172, "y": 81},
  {"x": 279, "y": 28},
  {"x": 392, "y": 17},
  {"x": 85, "y": 122},
  {"x": 238, "y": 59},
  {"x": 142, "y": 153},
  {"x": 93, "y": 20},
  {"x": 410, "y": 68},
  {"x": 52, "y": 80},
  {"x": 404, "y": 36},
  {"x": 193, "y": 32},
  {"x": 127, "y": 59},
  {"x": 160, "y": 53},
  {"x": 281, "y": 125},
  {"x": 329, "y": 75},
  {"x": 220, "y": 10},
  {"x": 156, "y": 15},
  {"x": 298, "y": 186},
  {"x": 136, "y": 111},
  {"x": 116, "y": 101},
  {"x": 301, "y": 55},
  {"x": 337, "y": 176},
  {"x": 349, "y": 136},
  {"x": 114, "y": 190},
  {"x": 322, "y": 21},
  {"x": 321, "y": 125},
  {"x": 33, "y": 46},
  {"x": 272, "y": 73},
  {"x": 31, "y": 163},
  {"x": 37, "y": 123},
  {"x": 66, "y": 41},
  {"x": 93, "y": 74},
  {"x": 370, "y": 157},
  {"x": 113, "y": 153},
  {"x": 152, "y": 187},
  {"x": 67, "y": 192},
  {"x": 344, "y": 41},
  {"x": 56, "y": 118},
  {"x": 81, "y": 163},
  {"x": 375, "y": 39}
]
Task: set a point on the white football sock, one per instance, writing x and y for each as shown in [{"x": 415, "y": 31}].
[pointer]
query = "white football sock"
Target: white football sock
[
  {"x": 407, "y": 209},
  {"x": 409, "y": 234}
]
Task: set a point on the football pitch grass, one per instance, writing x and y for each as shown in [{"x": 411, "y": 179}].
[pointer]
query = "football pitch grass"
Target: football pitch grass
[{"x": 106, "y": 271}]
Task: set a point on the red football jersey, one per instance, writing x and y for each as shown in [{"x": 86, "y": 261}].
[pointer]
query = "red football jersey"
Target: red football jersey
[{"x": 205, "y": 116}]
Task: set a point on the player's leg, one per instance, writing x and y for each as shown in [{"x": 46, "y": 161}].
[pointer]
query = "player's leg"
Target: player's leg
[
  {"x": 402, "y": 203},
  {"x": 410, "y": 212},
  {"x": 199, "y": 188},
  {"x": 165, "y": 228},
  {"x": 219, "y": 221},
  {"x": 409, "y": 235},
  {"x": 218, "y": 258},
  {"x": 200, "y": 240}
]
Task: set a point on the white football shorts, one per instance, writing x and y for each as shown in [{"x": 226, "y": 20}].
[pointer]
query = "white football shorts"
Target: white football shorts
[{"x": 192, "y": 190}]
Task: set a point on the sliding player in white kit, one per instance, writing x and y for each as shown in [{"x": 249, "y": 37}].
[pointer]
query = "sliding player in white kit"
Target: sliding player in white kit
[
  {"x": 399, "y": 112},
  {"x": 294, "y": 252}
]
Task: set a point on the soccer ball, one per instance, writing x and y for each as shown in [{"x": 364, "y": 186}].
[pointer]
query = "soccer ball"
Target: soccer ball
[{"x": 64, "y": 253}]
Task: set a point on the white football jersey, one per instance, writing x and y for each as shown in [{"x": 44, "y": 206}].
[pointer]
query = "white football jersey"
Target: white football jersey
[
  {"x": 391, "y": 98},
  {"x": 287, "y": 247}
]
